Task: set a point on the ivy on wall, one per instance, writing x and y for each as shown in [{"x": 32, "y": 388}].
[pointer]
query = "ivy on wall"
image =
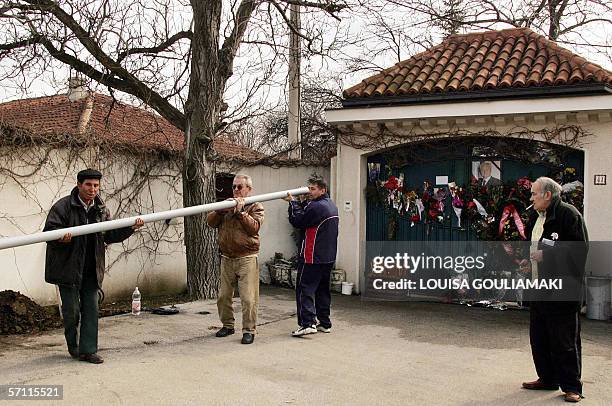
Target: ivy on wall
[{"x": 130, "y": 185}]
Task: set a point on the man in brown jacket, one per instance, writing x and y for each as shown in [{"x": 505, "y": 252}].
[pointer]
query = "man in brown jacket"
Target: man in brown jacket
[{"x": 239, "y": 246}]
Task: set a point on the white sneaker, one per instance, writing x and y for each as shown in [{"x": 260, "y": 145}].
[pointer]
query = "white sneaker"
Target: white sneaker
[
  {"x": 323, "y": 329},
  {"x": 302, "y": 331}
]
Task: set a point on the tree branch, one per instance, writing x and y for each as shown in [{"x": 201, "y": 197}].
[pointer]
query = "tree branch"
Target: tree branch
[
  {"x": 158, "y": 48},
  {"x": 34, "y": 39},
  {"x": 330, "y": 8},
  {"x": 231, "y": 43},
  {"x": 128, "y": 82},
  {"x": 293, "y": 28},
  {"x": 83, "y": 67},
  {"x": 585, "y": 22},
  {"x": 529, "y": 20}
]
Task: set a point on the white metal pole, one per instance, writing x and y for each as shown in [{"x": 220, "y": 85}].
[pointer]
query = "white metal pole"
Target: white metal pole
[{"x": 11, "y": 242}]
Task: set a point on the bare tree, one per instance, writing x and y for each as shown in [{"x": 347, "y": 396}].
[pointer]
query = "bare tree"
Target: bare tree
[
  {"x": 454, "y": 15},
  {"x": 188, "y": 60},
  {"x": 393, "y": 30},
  {"x": 578, "y": 23},
  {"x": 133, "y": 47},
  {"x": 318, "y": 142}
]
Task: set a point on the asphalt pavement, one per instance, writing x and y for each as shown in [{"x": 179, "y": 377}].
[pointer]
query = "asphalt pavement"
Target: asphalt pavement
[{"x": 392, "y": 353}]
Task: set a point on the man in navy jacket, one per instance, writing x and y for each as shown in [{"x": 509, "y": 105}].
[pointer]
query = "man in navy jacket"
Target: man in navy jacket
[{"x": 318, "y": 221}]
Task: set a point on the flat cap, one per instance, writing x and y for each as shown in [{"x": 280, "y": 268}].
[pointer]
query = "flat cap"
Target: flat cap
[{"x": 88, "y": 174}]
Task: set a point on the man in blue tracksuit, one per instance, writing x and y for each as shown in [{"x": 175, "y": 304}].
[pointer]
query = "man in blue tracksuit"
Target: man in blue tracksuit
[{"x": 318, "y": 221}]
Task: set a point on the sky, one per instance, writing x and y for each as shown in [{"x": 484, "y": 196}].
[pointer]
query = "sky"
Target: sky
[{"x": 358, "y": 44}]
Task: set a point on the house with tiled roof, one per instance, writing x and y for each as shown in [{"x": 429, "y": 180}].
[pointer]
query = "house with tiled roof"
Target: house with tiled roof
[
  {"x": 45, "y": 141},
  {"x": 101, "y": 119},
  {"x": 498, "y": 106}
]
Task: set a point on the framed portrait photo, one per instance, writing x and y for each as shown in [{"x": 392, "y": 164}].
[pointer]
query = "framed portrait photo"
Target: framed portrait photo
[{"x": 487, "y": 173}]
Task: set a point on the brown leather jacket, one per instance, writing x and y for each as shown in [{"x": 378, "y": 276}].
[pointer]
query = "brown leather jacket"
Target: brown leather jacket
[{"x": 238, "y": 232}]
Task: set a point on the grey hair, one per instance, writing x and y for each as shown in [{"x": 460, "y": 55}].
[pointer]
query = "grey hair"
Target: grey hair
[
  {"x": 486, "y": 163},
  {"x": 247, "y": 179},
  {"x": 549, "y": 185}
]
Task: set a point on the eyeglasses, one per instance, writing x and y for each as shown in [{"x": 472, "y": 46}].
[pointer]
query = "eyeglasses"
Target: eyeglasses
[{"x": 237, "y": 187}]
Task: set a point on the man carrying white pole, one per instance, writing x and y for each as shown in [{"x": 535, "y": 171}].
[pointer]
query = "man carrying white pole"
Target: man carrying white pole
[
  {"x": 76, "y": 264},
  {"x": 239, "y": 246},
  {"x": 318, "y": 219}
]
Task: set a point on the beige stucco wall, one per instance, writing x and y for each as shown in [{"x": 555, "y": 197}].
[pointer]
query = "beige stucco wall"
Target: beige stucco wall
[
  {"x": 276, "y": 231},
  {"x": 351, "y": 172},
  {"x": 598, "y": 198},
  {"x": 23, "y": 210}
]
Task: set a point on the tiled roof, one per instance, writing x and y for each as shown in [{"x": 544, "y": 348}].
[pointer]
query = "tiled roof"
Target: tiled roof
[
  {"x": 120, "y": 124},
  {"x": 513, "y": 58}
]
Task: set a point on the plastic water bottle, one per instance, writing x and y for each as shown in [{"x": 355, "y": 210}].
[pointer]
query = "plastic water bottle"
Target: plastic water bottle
[{"x": 136, "y": 302}]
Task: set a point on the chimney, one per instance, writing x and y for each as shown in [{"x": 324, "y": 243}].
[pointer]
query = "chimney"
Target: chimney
[{"x": 77, "y": 89}]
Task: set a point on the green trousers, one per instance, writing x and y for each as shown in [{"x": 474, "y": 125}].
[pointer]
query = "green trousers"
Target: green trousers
[{"x": 81, "y": 305}]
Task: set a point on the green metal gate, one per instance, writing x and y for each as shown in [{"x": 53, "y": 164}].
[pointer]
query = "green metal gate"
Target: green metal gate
[{"x": 454, "y": 159}]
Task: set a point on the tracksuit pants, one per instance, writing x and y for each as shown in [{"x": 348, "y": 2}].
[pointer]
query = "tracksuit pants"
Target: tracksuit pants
[{"x": 312, "y": 294}]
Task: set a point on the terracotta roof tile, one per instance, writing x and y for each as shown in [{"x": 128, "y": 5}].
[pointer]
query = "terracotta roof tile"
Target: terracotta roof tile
[
  {"x": 515, "y": 57},
  {"x": 116, "y": 123},
  {"x": 576, "y": 75},
  {"x": 548, "y": 78},
  {"x": 479, "y": 82}
]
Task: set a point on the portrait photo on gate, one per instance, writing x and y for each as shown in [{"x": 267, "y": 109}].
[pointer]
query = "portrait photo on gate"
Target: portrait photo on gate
[{"x": 487, "y": 172}]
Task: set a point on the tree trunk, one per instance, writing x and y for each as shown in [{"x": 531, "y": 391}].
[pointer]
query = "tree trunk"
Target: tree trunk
[
  {"x": 202, "y": 114},
  {"x": 554, "y": 17},
  {"x": 200, "y": 240}
]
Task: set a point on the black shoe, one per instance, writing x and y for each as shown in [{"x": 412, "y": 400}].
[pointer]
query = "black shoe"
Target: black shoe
[
  {"x": 74, "y": 352},
  {"x": 247, "y": 338},
  {"x": 91, "y": 358},
  {"x": 224, "y": 332}
]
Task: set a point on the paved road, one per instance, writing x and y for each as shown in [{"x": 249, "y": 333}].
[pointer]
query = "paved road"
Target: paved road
[{"x": 378, "y": 353}]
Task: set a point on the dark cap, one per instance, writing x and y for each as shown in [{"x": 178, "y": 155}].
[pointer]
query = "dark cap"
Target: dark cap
[{"x": 88, "y": 174}]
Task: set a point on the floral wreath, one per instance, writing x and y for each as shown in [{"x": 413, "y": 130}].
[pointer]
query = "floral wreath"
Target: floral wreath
[{"x": 493, "y": 213}]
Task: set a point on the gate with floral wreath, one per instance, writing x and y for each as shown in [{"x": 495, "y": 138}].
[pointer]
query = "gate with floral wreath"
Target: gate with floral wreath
[{"x": 465, "y": 188}]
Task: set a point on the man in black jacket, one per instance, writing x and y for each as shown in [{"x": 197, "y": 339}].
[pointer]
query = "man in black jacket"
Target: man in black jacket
[
  {"x": 76, "y": 264},
  {"x": 318, "y": 220},
  {"x": 559, "y": 250}
]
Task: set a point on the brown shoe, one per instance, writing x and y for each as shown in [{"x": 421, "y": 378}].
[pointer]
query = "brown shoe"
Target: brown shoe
[
  {"x": 572, "y": 397},
  {"x": 92, "y": 358},
  {"x": 539, "y": 385}
]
